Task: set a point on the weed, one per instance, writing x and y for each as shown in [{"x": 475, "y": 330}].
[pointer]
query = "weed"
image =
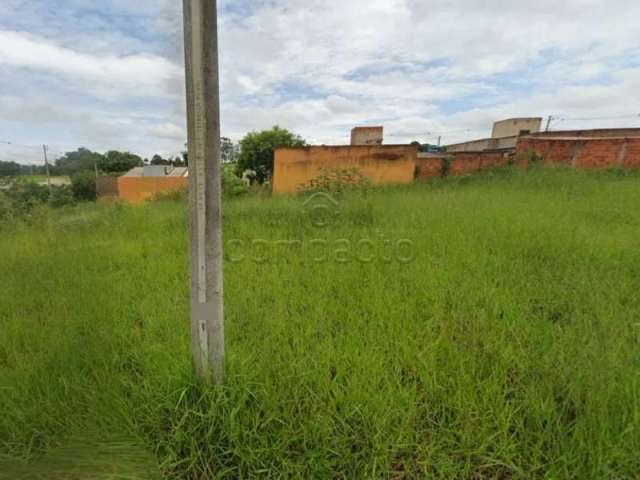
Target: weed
[{"x": 508, "y": 347}]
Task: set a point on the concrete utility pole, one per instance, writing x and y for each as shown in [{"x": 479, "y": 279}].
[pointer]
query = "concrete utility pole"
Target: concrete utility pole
[
  {"x": 205, "y": 225},
  {"x": 46, "y": 164},
  {"x": 549, "y": 120}
]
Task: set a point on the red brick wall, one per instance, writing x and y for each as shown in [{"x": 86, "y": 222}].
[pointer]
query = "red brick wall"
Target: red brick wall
[
  {"x": 429, "y": 168},
  {"x": 632, "y": 157},
  {"x": 583, "y": 153},
  {"x": 598, "y": 132},
  {"x": 599, "y": 154},
  {"x": 471, "y": 162},
  {"x": 553, "y": 151}
]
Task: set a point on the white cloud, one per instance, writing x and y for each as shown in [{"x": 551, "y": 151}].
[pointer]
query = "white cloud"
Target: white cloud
[
  {"x": 110, "y": 76},
  {"x": 146, "y": 73},
  {"x": 168, "y": 131}
]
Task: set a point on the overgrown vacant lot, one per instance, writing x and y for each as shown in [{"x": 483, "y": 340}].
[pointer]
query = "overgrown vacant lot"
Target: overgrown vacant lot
[{"x": 478, "y": 328}]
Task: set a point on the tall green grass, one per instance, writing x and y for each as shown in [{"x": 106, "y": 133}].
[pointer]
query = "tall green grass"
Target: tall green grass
[{"x": 504, "y": 341}]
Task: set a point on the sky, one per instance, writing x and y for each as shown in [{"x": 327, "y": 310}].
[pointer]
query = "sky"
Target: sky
[{"x": 110, "y": 75}]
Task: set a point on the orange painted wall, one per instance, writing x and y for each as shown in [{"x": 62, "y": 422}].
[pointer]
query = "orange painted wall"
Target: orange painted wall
[
  {"x": 139, "y": 189},
  {"x": 383, "y": 164}
]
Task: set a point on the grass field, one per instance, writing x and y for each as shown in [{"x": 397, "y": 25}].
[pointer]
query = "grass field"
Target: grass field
[{"x": 476, "y": 328}]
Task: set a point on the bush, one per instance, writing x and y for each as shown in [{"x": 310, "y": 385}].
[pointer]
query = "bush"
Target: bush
[
  {"x": 60, "y": 197},
  {"x": 176, "y": 195},
  {"x": 337, "y": 180},
  {"x": 83, "y": 186},
  {"x": 23, "y": 196},
  {"x": 6, "y": 212},
  {"x": 232, "y": 185},
  {"x": 26, "y": 200},
  {"x": 529, "y": 158},
  {"x": 446, "y": 165}
]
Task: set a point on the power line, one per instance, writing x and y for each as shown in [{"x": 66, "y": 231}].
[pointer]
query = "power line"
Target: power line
[
  {"x": 32, "y": 147},
  {"x": 619, "y": 117},
  {"x": 434, "y": 134}
]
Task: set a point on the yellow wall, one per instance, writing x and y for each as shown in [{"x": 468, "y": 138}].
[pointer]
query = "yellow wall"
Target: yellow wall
[{"x": 383, "y": 164}]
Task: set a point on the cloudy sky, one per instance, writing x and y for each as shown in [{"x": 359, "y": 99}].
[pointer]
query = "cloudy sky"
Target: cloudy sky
[{"x": 109, "y": 74}]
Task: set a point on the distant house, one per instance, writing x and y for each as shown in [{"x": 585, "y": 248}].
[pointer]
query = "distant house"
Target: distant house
[
  {"x": 142, "y": 183},
  {"x": 157, "y": 171},
  {"x": 504, "y": 135}
]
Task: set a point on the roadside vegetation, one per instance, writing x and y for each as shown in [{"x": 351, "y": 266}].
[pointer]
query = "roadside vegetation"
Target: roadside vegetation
[{"x": 482, "y": 327}]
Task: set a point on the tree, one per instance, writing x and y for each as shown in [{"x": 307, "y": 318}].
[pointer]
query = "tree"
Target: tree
[
  {"x": 13, "y": 169},
  {"x": 158, "y": 160},
  {"x": 81, "y": 160},
  {"x": 256, "y": 150},
  {"x": 119, "y": 162},
  {"x": 228, "y": 150},
  {"x": 10, "y": 169}
]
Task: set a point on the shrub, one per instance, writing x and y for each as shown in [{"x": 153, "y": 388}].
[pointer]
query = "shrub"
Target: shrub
[
  {"x": 337, "y": 180},
  {"x": 23, "y": 196},
  {"x": 83, "y": 186},
  {"x": 176, "y": 195},
  {"x": 60, "y": 197},
  {"x": 446, "y": 165},
  {"x": 529, "y": 158},
  {"x": 6, "y": 212},
  {"x": 232, "y": 185}
]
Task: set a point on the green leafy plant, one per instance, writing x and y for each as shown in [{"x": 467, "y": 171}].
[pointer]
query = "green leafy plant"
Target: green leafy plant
[
  {"x": 175, "y": 195},
  {"x": 446, "y": 165},
  {"x": 83, "y": 186},
  {"x": 232, "y": 185},
  {"x": 23, "y": 196},
  {"x": 528, "y": 158},
  {"x": 60, "y": 197}
]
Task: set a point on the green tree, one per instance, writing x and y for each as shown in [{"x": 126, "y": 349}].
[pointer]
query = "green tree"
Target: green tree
[
  {"x": 256, "y": 150},
  {"x": 81, "y": 160},
  {"x": 119, "y": 162},
  {"x": 10, "y": 169},
  {"x": 158, "y": 160},
  {"x": 228, "y": 151},
  {"x": 83, "y": 186}
]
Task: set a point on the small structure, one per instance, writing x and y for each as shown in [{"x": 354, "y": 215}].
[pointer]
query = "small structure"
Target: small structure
[
  {"x": 157, "y": 171},
  {"x": 382, "y": 164},
  {"x": 515, "y": 127},
  {"x": 504, "y": 136},
  {"x": 367, "y": 136},
  {"x": 142, "y": 183}
]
